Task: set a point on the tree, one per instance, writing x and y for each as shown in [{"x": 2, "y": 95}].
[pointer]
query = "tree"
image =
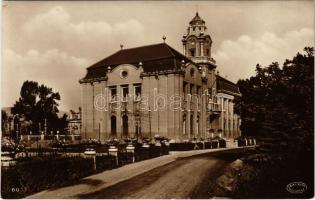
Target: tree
[
  {"x": 4, "y": 119},
  {"x": 278, "y": 102},
  {"x": 38, "y": 105}
]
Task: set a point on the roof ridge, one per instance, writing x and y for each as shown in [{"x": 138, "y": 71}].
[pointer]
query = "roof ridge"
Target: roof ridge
[
  {"x": 159, "y": 58},
  {"x": 142, "y": 46},
  {"x": 92, "y": 66}
]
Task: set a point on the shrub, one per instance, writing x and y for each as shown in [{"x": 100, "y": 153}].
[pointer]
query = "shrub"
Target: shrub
[
  {"x": 105, "y": 163},
  {"x": 40, "y": 173},
  {"x": 182, "y": 146}
]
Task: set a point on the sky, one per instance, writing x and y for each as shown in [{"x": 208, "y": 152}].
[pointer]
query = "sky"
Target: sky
[{"x": 54, "y": 42}]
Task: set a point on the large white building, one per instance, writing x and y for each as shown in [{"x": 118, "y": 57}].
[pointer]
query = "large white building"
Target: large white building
[{"x": 154, "y": 89}]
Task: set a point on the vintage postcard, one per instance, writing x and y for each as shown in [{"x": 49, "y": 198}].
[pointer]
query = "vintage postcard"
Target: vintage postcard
[{"x": 157, "y": 99}]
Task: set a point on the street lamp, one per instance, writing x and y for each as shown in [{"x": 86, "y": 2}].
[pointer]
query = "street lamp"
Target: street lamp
[{"x": 17, "y": 126}]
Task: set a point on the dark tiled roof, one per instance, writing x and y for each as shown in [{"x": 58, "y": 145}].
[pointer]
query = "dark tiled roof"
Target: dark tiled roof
[
  {"x": 196, "y": 19},
  {"x": 153, "y": 57},
  {"x": 226, "y": 86}
]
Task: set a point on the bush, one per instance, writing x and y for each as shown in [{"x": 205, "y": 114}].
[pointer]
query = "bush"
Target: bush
[
  {"x": 105, "y": 163},
  {"x": 181, "y": 146},
  {"x": 40, "y": 173},
  {"x": 222, "y": 143}
]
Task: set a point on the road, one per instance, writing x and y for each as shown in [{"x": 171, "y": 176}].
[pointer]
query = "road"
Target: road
[{"x": 176, "y": 176}]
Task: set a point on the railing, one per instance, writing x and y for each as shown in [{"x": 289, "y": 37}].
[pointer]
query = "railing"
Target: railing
[
  {"x": 50, "y": 137},
  {"x": 214, "y": 107}
]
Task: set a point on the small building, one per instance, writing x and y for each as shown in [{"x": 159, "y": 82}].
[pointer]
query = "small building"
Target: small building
[
  {"x": 74, "y": 122},
  {"x": 154, "y": 89}
]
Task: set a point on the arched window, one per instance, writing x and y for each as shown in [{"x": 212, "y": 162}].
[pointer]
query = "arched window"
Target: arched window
[
  {"x": 191, "y": 45},
  {"x": 191, "y": 125},
  {"x": 113, "y": 127},
  {"x": 192, "y": 52},
  {"x": 207, "y": 48},
  {"x": 125, "y": 125},
  {"x": 184, "y": 124},
  {"x": 198, "y": 125}
]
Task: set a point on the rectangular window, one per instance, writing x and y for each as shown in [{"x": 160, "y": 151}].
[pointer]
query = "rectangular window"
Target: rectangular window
[
  {"x": 113, "y": 92},
  {"x": 138, "y": 90},
  {"x": 191, "y": 88},
  {"x": 184, "y": 89},
  {"x": 198, "y": 90},
  {"x": 125, "y": 91}
]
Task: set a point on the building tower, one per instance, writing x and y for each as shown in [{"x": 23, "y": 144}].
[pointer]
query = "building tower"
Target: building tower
[{"x": 197, "y": 43}]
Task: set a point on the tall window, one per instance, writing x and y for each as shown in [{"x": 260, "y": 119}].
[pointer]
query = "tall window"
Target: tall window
[
  {"x": 137, "y": 90},
  {"x": 184, "y": 124},
  {"x": 184, "y": 89},
  {"x": 113, "y": 93},
  {"x": 125, "y": 91},
  {"x": 198, "y": 125},
  {"x": 192, "y": 52},
  {"x": 191, "y": 46},
  {"x": 207, "y": 52},
  {"x": 191, "y": 125},
  {"x": 125, "y": 125},
  {"x": 198, "y": 90},
  {"x": 113, "y": 125}
]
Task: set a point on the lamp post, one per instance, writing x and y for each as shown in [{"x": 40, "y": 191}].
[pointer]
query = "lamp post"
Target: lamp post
[
  {"x": 17, "y": 127},
  {"x": 150, "y": 121},
  {"x": 45, "y": 126},
  {"x": 99, "y": 131}
]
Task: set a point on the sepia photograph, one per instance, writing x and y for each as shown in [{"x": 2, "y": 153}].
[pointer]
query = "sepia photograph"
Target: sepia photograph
[{"x": 157, "y": 99}]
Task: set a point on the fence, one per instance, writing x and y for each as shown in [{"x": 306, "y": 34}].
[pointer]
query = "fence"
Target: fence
[{"x": 49, "y": 137}]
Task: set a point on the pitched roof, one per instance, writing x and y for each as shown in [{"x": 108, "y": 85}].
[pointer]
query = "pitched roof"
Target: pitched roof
[
  {"x": 226, "y": 86},
  {"x": 153, "y": 57}
]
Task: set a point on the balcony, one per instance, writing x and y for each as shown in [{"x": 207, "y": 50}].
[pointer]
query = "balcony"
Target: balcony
[{"x": 214, "y": 107}]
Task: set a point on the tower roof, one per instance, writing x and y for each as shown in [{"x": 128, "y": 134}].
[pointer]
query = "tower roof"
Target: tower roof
[{"x": 197, "y": 19}]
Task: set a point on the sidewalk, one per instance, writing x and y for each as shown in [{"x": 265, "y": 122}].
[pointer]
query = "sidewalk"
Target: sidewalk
[{"x": 111, "y": 177}]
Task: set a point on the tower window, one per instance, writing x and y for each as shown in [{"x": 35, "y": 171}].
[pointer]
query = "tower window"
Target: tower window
[
  {"x": 208, "y": 52},
  {"x": 192, "y": 52},
  {"x": 192, "y": 72}
]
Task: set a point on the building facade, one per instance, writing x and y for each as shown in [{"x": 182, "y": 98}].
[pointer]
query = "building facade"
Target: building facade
[{"x": 155, "y": 90}]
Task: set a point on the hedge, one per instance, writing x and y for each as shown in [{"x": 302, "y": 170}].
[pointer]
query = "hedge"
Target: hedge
[
  {"x": 40, "y": 173},
  {"x": 34, "y": 174}
]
